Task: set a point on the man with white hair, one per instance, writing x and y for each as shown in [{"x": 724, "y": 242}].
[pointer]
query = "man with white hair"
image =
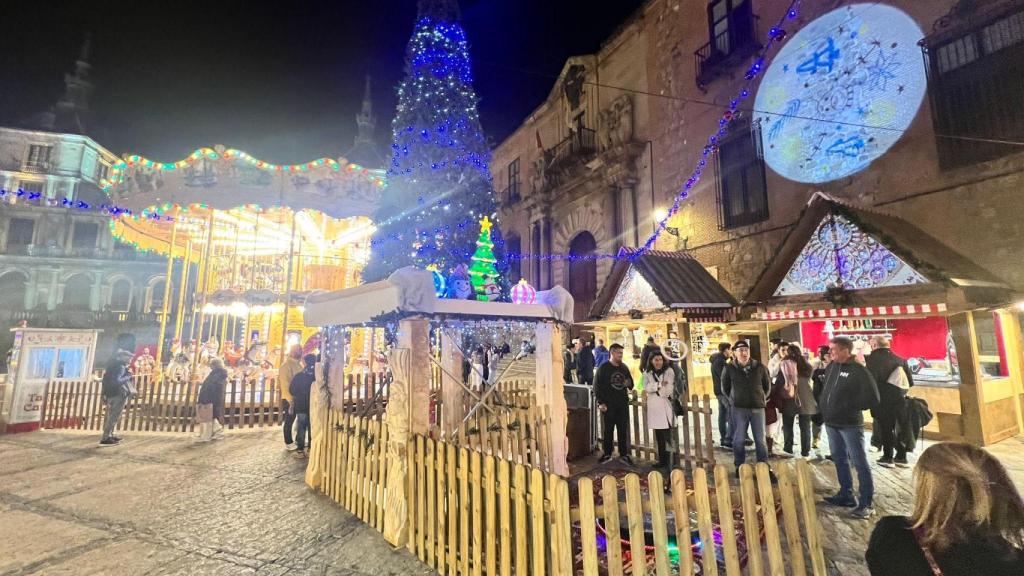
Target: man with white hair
[{"x": 894, "y": 379}]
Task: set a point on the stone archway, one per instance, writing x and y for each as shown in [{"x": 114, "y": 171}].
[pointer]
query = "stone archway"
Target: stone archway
[
  {"x": 583, "y": 231},
  {"x": 13, "y": 284},
  {"x": 77, "y": 292}
]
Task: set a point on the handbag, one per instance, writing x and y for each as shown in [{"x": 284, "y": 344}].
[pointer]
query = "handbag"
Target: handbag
[{"x": 936, "y": 570}]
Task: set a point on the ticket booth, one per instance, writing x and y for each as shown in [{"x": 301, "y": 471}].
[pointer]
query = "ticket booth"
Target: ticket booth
[{"x": 39, "y": 356}]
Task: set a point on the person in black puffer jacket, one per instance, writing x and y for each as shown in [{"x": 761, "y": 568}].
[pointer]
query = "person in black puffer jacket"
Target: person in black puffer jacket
[
  {"x": 210, "y": 409},
  {"x": 300, "y": 389},
  {"x": 745, "y": 381},
  {"x": 849, "y": 391},
  {"x": 894, "y": 379}
]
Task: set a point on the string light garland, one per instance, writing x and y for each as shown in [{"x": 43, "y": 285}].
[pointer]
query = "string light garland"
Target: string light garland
[{"x": 118, "y": 170}]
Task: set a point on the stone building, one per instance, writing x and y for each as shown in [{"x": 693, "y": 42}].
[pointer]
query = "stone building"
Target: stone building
[{"x": 577, "y": 175}]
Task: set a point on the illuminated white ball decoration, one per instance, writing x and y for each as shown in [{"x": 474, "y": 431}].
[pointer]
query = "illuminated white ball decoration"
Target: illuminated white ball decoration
[
  {"x": 523, "y": 293},
  {"x": 840, "y": 92}
]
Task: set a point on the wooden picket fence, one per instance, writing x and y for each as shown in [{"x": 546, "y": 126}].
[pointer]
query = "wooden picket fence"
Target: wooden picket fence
[
  {"x": 170, "y": 406},
  {"x": 472, "y": 513},
  {"x": 694, "y": 440}
]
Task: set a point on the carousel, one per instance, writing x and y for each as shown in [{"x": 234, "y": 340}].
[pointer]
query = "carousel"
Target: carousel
[{"x": 247, "y": 242}]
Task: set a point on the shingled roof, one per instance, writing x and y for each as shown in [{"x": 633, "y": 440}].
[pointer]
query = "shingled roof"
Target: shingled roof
[{"x": 677, "y": 278}]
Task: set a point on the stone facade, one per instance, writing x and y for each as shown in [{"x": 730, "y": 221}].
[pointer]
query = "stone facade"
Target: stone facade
[
  {"x": 652, "y": 58},
  {"x": 60, "y": 266}
]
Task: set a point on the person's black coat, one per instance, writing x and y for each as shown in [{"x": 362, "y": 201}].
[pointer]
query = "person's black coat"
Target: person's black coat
[
  {"x": 718, "y": 362},
  {"x": 747, "y": 386},
  {"x": 893, "y": 551},
  {"x": 849, "y": 391},
  {"x": 212, "y": 390},
  {"x": 882, "y": 362},
  {"x": 115, "y": 377},
  {"x": 645, "y": 356},
  {"x": 611, "y": 387},
  {"x": 300, "y": 389},
  {"x": 585, "y": 364}
]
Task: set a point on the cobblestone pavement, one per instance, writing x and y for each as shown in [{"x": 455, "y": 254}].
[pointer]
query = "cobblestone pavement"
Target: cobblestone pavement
[{"x": 161, "y": 504}]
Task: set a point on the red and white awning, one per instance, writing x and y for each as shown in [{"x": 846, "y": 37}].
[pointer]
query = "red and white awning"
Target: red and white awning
[{"x": 853, "y": 312}]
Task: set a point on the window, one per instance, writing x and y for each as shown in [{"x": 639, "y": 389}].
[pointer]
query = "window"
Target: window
[
  {"x": 971, "y": 112},
  {"x": 20, "y": 231},
  {"x": 121, "y": 296},
  {"x": 742, "y": 192},
  {"x": 39, "y": 156},
  {"x": 102, "y": 171},
  {"x": 731, "y": 38},
  {"x": 512, "y": 192},
  {"x": 29, "y": 186},
  {"x": 85, "y": 235}
]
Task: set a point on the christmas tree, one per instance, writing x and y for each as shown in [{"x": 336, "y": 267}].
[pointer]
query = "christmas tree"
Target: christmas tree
[
  {"x": 483, "y": 272},
  {"x": 439, "y": 183}
]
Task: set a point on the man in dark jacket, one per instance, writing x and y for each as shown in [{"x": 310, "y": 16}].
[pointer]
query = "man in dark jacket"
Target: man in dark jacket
[
  {"x": 849, "y": 391},
  {"x": 611, "y": 388},
  {"x": 568, "y": 363},
  {"x": 745, "y": 381},
  {"x": 585, "y": 363},
  {"x": 718, "y": 362},
  {"x": 645, "y": 355},
  {"x": 894, "y": 379},
  {"x": 116, "y": 391},
  {"x": 300, "y": 389}
]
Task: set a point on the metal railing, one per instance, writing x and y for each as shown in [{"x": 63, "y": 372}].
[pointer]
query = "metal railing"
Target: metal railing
[
  {"x": 727, "y": 49},
  {"x": 510, "y": 195},
  {"x": 581, "y": 143}
]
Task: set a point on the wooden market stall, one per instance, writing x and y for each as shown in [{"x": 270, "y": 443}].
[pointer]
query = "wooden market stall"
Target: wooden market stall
[
  {"x": 671, "y": 297},
  {"x": 848, "y": 270}
]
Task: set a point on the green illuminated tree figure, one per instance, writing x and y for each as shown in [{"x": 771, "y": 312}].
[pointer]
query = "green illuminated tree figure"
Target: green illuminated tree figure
[{"x": 483, "y": 272}]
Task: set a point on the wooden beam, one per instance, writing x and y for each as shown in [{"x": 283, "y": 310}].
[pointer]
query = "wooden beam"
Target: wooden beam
[
  {"x": 452, "y": 394},
  {"x": 1012, "y": 340},
  {"x": 972, "y": 392},
  {"x": 550, "y": 392}
]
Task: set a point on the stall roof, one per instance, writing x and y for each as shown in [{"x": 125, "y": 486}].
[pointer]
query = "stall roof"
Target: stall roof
[
  {"x": 410, "y": 292},
  {"x": 910, "y": 255},
  {"x": 673, "y": 280}
]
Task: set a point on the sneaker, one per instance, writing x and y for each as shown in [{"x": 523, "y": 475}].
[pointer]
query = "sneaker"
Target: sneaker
[
  {"x": 108, "y": 442},
  {"x": 748, "y": 442},
  {"x": 863, "y": 512},
  {"x": 299, "y": 454},
  {"x": 115, "y": 438},
  {"x": 885, "y": 461},
  {"x": 291, "y": 447},
  {"x": 727, "y": 445},
  {"x": 788, "y": 451},
  {"x": 841, "y": 500},
  {"x": 604, "y": 459},
  {"x": 627, "y": 460},
  {"x": 901, "y": 462}
]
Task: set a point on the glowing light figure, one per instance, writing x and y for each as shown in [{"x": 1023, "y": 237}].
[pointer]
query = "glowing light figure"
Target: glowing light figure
[{"x": 840, "y": 92}]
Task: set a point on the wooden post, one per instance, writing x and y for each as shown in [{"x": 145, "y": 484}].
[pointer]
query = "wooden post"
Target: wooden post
[
  {"x": 550, "y": 392},
  {"x": 1014, "y": 359},
  {"x": 972, "y": 392},
  {"x": 764, "y": 335},
  {"x": 452, "y": 393}
]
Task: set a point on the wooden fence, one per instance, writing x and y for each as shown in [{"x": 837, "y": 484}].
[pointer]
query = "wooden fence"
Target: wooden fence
[
  {"x": 472, "y": 513},
  {"x": 694, "y": 442},
  {"x": 170, "y": 406}
]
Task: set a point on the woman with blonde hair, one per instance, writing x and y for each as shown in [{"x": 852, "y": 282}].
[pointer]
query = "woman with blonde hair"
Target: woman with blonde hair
[{"x": 968, "y": 520}]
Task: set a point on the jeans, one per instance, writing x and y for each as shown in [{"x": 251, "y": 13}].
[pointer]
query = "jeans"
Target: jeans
[
  {"x": 664, "y": 440},
  {"x": 847, "y": 446},
  {"x": 302, "y": 429},
  {"x": 724, "y": 419},
  {"x": 742, "y": 418},
  {"x": 289, "y": 420},
  {"x": 616, "y": 422},
  {"x": 805, "y": 433},
  {"x": 115, "y": 406}
]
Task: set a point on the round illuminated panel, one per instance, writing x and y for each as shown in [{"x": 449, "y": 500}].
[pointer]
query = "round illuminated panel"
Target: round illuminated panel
[{"x": 840, "y": 92}]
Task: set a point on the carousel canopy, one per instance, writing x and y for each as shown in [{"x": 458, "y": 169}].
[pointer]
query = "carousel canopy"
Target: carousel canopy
[
  {"x": 839, "y": 247},
  {"x": 411, "y": 292},
  {"x": 224, "y": 178},
  {"x": 659, "y": 280}
]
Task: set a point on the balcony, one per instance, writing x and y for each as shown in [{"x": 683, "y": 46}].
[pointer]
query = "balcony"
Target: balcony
[
  {"x": 726, "y": 50},
  {"x": 510, "y": 195},
  {"x": 78, "y": 318},
  {"x": 579, "y": 146}
]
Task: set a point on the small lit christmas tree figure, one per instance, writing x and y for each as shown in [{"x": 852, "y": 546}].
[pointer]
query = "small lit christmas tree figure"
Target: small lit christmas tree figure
[{"x": 483, "y": 272}]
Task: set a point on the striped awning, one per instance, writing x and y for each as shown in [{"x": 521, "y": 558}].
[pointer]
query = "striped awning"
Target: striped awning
[{"x": 853, "y": 312}]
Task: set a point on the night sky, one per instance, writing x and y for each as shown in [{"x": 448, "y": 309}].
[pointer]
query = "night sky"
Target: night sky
[{"x": 281, "y": 80}]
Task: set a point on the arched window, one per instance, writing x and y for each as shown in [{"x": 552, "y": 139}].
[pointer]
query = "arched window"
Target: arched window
[
  {"x": 155, "y": 295},
  {"x": 515, "y": 267},
  {"x": 121, "y": 295},
  {"x": 77, "y": 292},
  {"x": 581, "y": 275}
]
